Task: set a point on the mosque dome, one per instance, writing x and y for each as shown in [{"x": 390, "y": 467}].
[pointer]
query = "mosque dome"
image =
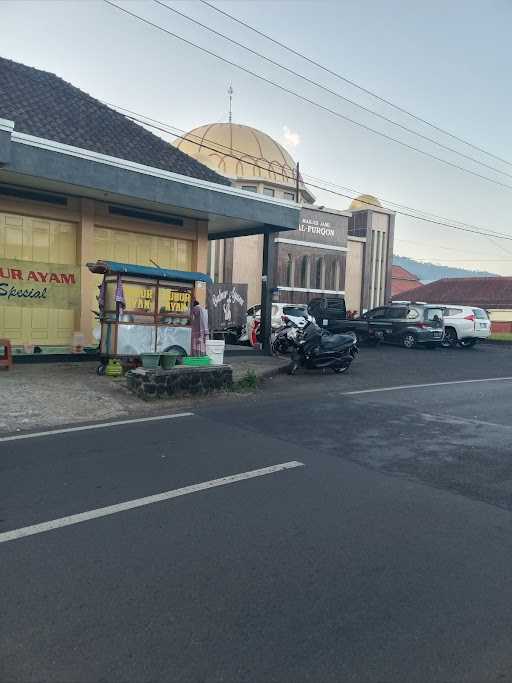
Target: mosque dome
[
  {"x": 242, "y": 153},
  {"x": 364, "y": 201}
]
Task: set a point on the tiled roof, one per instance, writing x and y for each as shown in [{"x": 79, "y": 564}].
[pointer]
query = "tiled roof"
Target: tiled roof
[
  {"x": 402, "y": 274},
  {"x": 484, "y": 292},
  {"x": 46, "y": 106}
]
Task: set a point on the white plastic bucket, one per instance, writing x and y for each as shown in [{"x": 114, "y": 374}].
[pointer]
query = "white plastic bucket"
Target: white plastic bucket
[{"x": 215, "y": 349}]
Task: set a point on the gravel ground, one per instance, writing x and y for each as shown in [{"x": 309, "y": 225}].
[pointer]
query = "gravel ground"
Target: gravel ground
[{"x": 53, "y": 394}]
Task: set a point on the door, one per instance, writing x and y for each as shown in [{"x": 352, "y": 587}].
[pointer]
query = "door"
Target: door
[
  {"x": 378, "y": 326},
  {"x": 43, "y": 245},
  {"x": 396, "y": 316}
]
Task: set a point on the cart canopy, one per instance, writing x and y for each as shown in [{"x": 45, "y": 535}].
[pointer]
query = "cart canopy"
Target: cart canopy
[{"x": 113, "y": 268}]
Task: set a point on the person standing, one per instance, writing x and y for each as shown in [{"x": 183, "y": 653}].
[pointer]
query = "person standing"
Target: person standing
[{"x": 200, "y": 332}]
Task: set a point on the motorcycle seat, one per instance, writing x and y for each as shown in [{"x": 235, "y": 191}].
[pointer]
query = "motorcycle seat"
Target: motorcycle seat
[{"x": 333, "y": 342}]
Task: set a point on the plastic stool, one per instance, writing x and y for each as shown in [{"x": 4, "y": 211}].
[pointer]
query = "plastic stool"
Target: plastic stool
[{"x": 6, "y": 358}]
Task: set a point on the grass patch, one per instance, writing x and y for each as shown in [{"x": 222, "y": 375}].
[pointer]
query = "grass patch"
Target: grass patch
[
  {"x": 248, "y": 382},
  {"x": 501, "y": 336}
]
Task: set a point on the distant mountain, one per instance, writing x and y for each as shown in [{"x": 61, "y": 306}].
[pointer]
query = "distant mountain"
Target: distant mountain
[{"x": 427, "y": 272}]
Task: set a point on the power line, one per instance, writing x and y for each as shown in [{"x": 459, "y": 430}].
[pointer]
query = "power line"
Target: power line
[
  {"x": 354, "y": 84},
  {"x": 165, "y": 128},
  {"x": 306, "y": 99},
  {"x": 229, "y": 149},
  {"x": 402, "y": 206},
  {"x": 332, "y": 92}
]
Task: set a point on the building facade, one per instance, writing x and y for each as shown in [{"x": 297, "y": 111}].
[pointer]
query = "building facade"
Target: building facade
[
  {"x": 79, "y": 182},
  {"x": 331, "y": 251}
]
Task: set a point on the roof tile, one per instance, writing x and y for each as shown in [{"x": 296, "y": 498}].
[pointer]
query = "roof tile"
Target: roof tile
[
  {"x": 484, "y": 292},
  {"x": 46, "y": 106}
]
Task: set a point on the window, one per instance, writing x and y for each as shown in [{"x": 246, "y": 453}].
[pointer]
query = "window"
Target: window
[
  {"x": 269, "y": 191},
  {"x": 376, "y": 314},
  {"x": 480, "y": 314},
  {"x": 453, "y": 311},
  {"x": 296, "y": 311},
  {"x": 250, "y": 188},
  {"x": 434, "y": 314},
  {"x": 396, "y": 313},
  {"x": 290, "y": 271},
  {"x": 413, "y": 314},
  {"x": 304, "y": 272},
  {"x": 289, "y": 195},
  {"x": 319, "y": 273}
]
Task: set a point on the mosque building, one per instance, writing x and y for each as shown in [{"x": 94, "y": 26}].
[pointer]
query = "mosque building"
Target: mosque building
[{"x": 347, "y": 252}]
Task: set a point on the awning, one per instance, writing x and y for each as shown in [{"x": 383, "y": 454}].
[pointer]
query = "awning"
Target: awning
[
  {"x": 29, "y": 161},
  {"x": 114, "y": 268}
]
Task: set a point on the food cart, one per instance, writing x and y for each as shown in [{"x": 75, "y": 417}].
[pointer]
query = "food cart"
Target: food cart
[{"x": 144, "y": 310}]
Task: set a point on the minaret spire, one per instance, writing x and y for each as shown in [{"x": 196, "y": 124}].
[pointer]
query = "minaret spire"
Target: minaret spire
[{"x": 230, "y": 93}]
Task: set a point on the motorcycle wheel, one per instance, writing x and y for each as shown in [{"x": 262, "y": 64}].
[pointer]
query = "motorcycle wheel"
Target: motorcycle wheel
[
  {"x": 293, "y": 367},
  {"x": 339, "y": 371}
]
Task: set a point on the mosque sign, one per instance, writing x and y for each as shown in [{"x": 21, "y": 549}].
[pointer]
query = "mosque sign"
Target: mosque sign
[{"x": 323, "y": 227}]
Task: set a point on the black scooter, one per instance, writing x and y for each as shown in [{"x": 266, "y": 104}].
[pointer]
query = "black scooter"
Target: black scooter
[{"x": 315, "y": 348}]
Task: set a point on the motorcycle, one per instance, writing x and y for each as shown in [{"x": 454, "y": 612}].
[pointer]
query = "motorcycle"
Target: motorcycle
[
  {"x": 315, "y": 348},
  {"x": 282, "y": 339}
]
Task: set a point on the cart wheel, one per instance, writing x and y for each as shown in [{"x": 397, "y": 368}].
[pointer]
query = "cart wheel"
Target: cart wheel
[{"x": 100, "y": 370}]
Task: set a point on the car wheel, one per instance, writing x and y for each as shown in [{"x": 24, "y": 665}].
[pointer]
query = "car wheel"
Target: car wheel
[
  {"x": 450, "y": 338},
  {"x": 409, "y": 340},
  {"x": 467, "y": 343}
]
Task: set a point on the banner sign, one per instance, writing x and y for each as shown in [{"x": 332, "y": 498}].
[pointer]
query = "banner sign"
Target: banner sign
[
  {"x": 32, "y": 283},
  {"x": 227, "y": 305}
]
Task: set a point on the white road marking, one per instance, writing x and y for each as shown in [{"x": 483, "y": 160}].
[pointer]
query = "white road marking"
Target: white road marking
[
  {"x": 140, "y": 502},
  {"x": 425, "y": 386},
  {"x": 101, "y": 425},
  {"x": 455, "y": 420}
]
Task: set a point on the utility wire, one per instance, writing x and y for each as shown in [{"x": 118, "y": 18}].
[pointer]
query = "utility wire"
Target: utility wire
[
  {"x": 332, "y": 92},
  {"x": 183, "y": 135},
  {"x": 392, "y": 204},
  {"x": 166, "y": 129},
  {"x": 354, "y": 84},
  {"x": 305, "y": 99}
]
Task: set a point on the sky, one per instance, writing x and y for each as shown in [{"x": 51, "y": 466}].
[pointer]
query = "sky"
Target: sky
[{"x": 448, "y": 62}]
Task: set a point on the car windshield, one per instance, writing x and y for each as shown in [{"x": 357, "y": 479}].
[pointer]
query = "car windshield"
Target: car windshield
[
  {"x": 480, "y": 314},
  {"x": 434, "y": 314},
  {"x": 295, "y": 311}
]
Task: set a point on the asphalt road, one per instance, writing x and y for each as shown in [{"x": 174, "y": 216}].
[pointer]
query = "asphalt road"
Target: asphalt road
[{"x": 385, "y": 556}]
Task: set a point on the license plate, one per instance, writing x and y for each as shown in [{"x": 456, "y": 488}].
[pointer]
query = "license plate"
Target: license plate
[
  {"x": 437, "y": 334},
  {"x": 482, "y": 326}
]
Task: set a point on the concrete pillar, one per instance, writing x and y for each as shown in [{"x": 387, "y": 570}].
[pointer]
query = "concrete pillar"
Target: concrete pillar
[
  {"x": 267, "y": 285},
  {"x": 84, "y": 318},
  {"x": 201, "y": 257}
]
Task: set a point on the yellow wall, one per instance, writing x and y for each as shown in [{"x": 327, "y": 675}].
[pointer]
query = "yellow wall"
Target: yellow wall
[
  {"x": 500, "y": 315},
  {"x": 82, "y": 232},
  {"x": 248, "y": 264}
]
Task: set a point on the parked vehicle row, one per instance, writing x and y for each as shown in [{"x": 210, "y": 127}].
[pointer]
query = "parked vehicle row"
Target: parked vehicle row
[{"x": 406, "y": 323}]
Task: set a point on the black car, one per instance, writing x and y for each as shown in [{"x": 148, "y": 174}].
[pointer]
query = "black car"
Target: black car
[{"x": 407, "y": 324}]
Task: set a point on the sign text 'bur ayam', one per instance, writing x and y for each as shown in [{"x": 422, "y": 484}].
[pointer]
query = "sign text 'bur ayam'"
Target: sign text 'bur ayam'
[{"x": 31, "y": 283}]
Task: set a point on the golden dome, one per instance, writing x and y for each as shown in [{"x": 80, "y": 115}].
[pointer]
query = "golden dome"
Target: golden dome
[
  {"x": 364, "y": 201},
  {"x": 242, "y": 153}
]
